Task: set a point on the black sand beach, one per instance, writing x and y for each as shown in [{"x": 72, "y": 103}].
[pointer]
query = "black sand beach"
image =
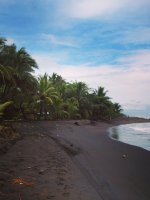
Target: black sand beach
[{"x": 63, "y": 160}]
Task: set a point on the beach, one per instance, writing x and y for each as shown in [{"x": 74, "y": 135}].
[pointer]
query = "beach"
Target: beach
[{"x": 73, "y": 160}]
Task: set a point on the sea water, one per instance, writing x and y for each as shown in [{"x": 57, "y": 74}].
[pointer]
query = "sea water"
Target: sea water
[{"x": 137, "y": 134}]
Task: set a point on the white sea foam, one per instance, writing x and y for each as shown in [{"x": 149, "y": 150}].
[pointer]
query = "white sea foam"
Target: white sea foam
[
  {"x": 135, "y": 134},
  {"x": 145, "y": 130}
]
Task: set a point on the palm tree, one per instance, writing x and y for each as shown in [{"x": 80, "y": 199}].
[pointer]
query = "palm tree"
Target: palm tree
[
  {"x": 117, "y": 108},
  {"x": 5, "y": 75},
  {"x": 101, "y": 103},
  {"x": 16, "y": 67},
  {"x": 79, "y": 90},
  {"x": 19, "y": 60},
  {"x": 72, "y": 107},
  {"x": 51, "y": 93},
  {"x": 6, "y": 83},
  {"x": 59, "y": 83},
  {"x": 2, "y": 43},
  {"x": 56, "y": 79},
  {"x": 46, "y": 94},
  {"x": 100, "y": 92},
  {"x": 58, "y": 109},
  {"x": 21, "y": 63}
]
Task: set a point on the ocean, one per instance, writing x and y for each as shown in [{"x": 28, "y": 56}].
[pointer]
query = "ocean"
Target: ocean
[{"x": 137, "y": 134}]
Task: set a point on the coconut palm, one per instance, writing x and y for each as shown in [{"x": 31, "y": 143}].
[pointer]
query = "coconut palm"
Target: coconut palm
[
  {"x": 21, "y": 63},
  {"x": 72, "y": 107},
  {"x": 117, "y": 107},
  {"x": 58, "y": 110},
  {"x": 7, "y": 83},
  {"x": 59, "y": 83},
  {"x": 100, "y": 92},
  {"x": 19, "y": 60},
  {"x": 16, "y": 67},
  {"x": 5, "y": 75},
  {"x": 79, "y": 90},
  {"x": 46, "y": 94},
  {"x": 2, "y": 43},
  {"x": 100, "y": 103}
]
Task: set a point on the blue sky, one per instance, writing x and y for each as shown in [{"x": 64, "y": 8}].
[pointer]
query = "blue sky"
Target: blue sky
[{"x": 100, "y": 42}]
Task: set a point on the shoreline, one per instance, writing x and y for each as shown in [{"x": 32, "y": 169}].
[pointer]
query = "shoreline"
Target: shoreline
[
  {"x": 77, "y": 161},
  {"x": 120, "y": 177}
]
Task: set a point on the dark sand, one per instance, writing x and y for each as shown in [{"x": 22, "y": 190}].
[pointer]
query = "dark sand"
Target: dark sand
[{"x": 61, "y": 160}]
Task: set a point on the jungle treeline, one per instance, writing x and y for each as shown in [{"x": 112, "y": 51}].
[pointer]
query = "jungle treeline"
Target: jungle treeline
[{"x": 46, "y": 97}]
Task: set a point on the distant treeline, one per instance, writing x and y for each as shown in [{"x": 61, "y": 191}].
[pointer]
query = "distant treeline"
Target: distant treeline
[{"x": 23, "y": 96}]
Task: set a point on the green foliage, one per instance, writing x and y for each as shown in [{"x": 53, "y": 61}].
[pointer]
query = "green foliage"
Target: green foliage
[
  {"x": 3, "y": 107},
  {"x": 46, "y": 97},
  {"x": 16, "y": 81}
]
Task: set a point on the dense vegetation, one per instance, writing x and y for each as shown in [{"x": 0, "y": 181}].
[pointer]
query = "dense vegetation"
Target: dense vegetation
[{"x": 23, "y": 96}]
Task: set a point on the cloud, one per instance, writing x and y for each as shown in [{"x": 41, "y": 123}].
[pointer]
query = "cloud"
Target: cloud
[
  {"x": 59, "y": 41},
  {"x": 10, "y": 41},
  {"x": 91, "y": 8},
  {"x": 139, "y": 59},
  {"x": 127, "y": 83},
  {"x": 84, "y": 9},
  {"x": 47, "y": 63}
]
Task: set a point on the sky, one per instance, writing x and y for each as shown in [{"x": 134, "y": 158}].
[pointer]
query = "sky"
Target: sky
[{"x": 101, "y": 42}]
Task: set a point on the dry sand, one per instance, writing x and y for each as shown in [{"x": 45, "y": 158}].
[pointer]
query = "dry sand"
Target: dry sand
[{"x": 64, "y": 161}]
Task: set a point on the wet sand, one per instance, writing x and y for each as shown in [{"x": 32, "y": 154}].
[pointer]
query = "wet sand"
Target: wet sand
[{"x": 63, "y": 160}]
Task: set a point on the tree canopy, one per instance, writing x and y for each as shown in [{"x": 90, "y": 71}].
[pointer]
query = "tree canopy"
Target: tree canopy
[{"x": 24, "y": 96}]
